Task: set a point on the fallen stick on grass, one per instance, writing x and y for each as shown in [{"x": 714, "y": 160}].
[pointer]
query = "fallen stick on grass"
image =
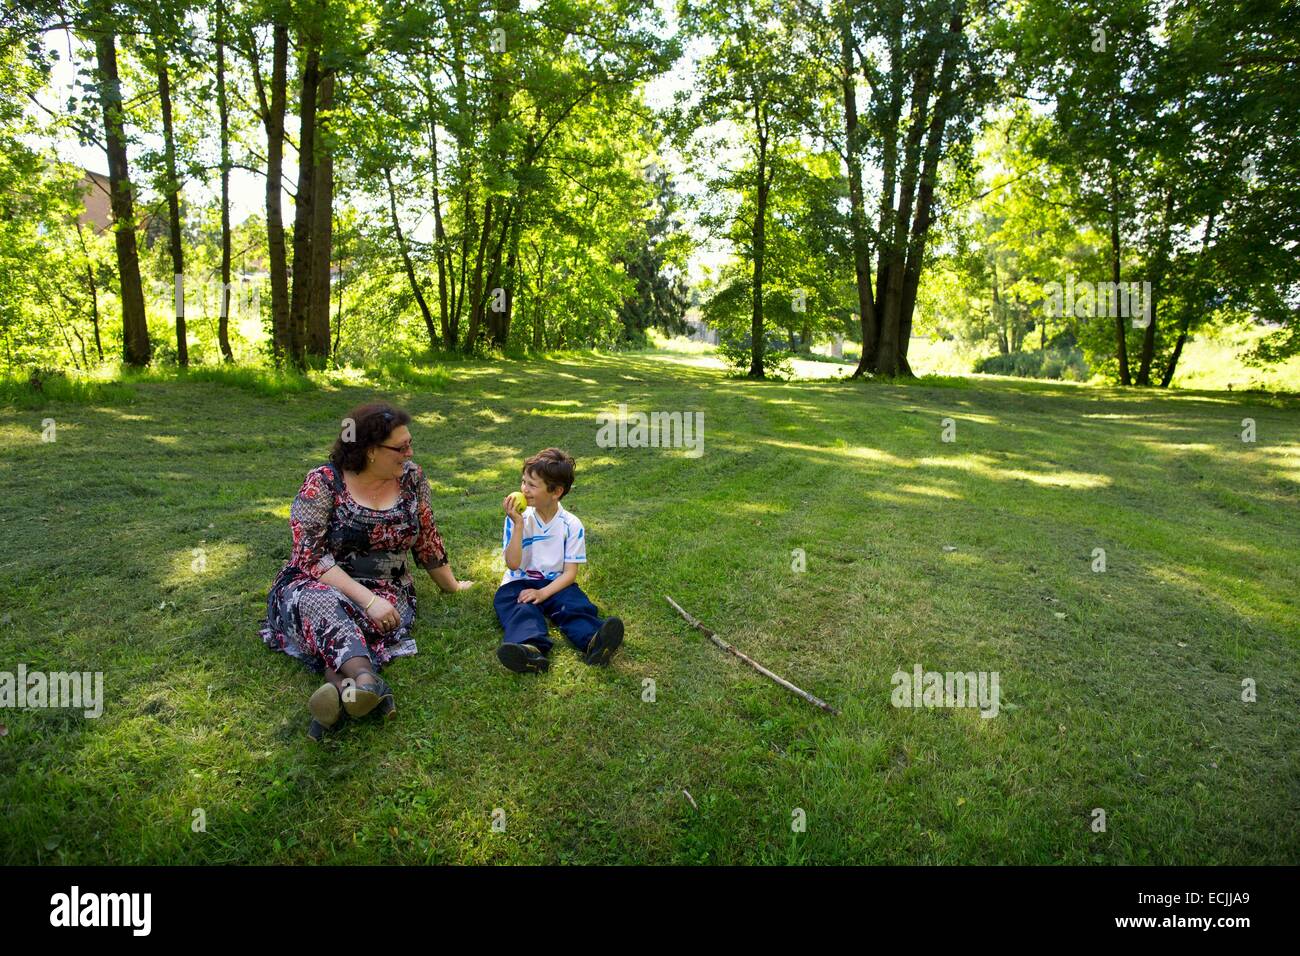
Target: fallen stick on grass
[{"x": 816, "y": 701}]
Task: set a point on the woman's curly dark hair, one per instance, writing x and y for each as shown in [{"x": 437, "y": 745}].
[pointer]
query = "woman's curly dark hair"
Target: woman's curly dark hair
[{"x": 365, "y": 427}]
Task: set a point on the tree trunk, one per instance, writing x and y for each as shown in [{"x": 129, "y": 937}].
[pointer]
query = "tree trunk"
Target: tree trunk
[
  {"x": 441, "y": 255},
  {"x": 173, "y": 201},
  {"x": 467, "y": 224},
  {"x": 539, "y": 341},
  {"x": 1121, "y": 344},
  {"x": 223, "y": 322},
  {"x": 94, "y": 291},
  {"x": 889, "y": 182},
  {"x": 999, "y": 317},
  {"x": 1157, "y": 287},
  {"x": 511, "y": 276},
  {"x": 442, "y": 258},
  {"x": 273, "y": 118},
  {"x": 322, "y": 240},
  {"x": 1188, "y": 307},
  {"x": 1148, "y": 341},
  {"x": 135, "y": 330},
  {"x": 887, "y": 363},
  {"x": 338, "y": 313},
  {"x": 81, "y": 343},
  {"x": 457, "y": 298},
  {"x": 493, "y": 284},
  {"x": 861, "y": 254},
  {"x": 480, "y": 291},
  {"x": 304, "y": 203},
  {"x": 476, "y": 282},
  {"x": 925, "y": 196},
  {"x": 759, "y": 249},
  {"x": 406, "y": 262},
  {"x": 756, "y": 306},
  {"x": 501, "y": 327}
]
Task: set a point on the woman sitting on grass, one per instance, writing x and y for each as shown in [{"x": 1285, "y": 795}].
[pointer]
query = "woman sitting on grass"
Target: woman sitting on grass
[{"x": 345, "y": 603}]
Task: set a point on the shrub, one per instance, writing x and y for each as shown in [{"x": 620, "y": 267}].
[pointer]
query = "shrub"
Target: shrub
[
  {"x": 737, "y": 352},
  {"x": 1056, "y": 363}
]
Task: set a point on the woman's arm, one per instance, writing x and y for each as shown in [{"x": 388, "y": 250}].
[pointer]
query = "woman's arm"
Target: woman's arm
[
  {"x": 429, "y": 551},
  {"x": 446, "y": 580},
  {"x": 337, "y": 577}
]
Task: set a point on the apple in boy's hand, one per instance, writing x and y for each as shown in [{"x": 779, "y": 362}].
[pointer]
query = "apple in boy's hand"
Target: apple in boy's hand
[{"x": 520, "y": 501}]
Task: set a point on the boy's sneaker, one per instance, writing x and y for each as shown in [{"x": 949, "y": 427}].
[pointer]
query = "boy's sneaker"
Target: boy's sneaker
[
  {"x": 522, "y": 658},
  {"x": 607, "y": 640}
]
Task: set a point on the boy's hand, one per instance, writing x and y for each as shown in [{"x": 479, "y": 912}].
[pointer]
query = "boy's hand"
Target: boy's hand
[
  {"x": 531, "y": 596},
  {"x": 512, "y": 512}
]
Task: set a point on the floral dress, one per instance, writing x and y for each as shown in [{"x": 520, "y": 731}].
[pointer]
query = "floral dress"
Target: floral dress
[{"x": 316, "y": 622}]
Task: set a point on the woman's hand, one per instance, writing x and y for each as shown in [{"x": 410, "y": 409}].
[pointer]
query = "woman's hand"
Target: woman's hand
[
  {"x": 446, "y": 580},
  {"x": 384, "y": 614}
]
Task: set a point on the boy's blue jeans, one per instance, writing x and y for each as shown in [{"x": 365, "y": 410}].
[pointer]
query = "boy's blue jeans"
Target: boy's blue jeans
[{"x": 570, "y": 610}]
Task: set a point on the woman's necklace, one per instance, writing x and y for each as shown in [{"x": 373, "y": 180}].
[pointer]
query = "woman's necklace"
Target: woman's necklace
[{"x": 372, "y": 492}]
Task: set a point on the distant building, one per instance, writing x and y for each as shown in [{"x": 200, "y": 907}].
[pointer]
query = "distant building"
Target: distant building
[
  {"x": 97, "y": 210},
  {"x": 697, "y": 331}
]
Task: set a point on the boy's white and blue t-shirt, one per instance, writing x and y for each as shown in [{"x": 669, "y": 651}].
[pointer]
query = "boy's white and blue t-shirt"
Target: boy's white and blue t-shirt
[{"x": 546, "y": 547}]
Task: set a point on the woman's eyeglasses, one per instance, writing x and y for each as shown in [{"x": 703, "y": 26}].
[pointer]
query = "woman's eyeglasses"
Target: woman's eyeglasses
[{"x": 404, "y": 448}]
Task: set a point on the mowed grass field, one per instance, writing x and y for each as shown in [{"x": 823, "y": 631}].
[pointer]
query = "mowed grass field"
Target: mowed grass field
[{"x": 1121, "y": 690}]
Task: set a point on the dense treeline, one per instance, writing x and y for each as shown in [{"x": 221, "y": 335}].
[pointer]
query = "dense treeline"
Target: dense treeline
[
  {"x": 521, "y": 135},
  {"x": 490, "y": 175}
]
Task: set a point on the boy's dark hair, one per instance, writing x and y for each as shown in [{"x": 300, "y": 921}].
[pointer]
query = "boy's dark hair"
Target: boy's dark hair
[
  {"x": 365, "y": 427},
  {"x": 554, "y": 466}
]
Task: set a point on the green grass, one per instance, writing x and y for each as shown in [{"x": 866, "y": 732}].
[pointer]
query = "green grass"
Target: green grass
[
  {"x": 113, "y": 384},
  {"x": 1211, "y": 360},
  {"x": 1120, "y": 690},
  {"x": 39, "y": 389},
  {"x": 1216, "y": 360}
]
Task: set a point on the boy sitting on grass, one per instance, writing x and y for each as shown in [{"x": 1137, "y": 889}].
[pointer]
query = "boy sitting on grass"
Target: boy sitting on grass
[{"x": 543, "y": 546}]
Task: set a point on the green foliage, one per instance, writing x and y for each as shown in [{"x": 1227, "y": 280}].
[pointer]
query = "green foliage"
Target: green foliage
[
  {"x": 737, "y": 351},
  {"x": 1006, "y": 245},
  {"x": 759, "y": 80},
  {"x": 727, "y": 310},
  {"x": 656, "y": 262},
  {"x": 1173, "y": 134},
  {"x": 808, "y": 266},
  {"x": 1066, "y": 364},
  {"x": 529, "y": 127},
  {"x": 46, "y": 260},
  {"x": 546, "y": 136},
  {"x": 523, "y": 156}
]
